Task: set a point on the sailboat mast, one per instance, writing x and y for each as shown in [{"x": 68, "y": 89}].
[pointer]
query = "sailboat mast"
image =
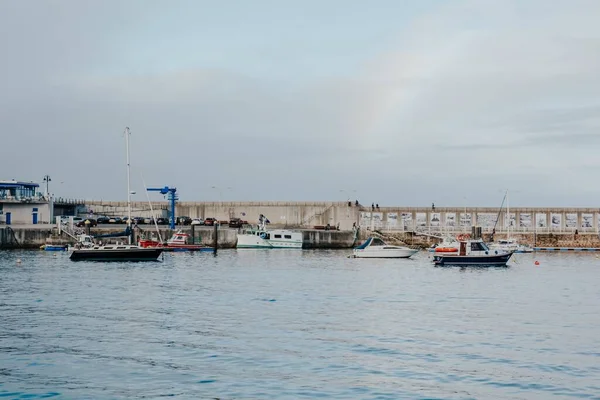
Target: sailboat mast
[
  {"x": 127, "y": 133},
  {"x": 508, "y": 215}
]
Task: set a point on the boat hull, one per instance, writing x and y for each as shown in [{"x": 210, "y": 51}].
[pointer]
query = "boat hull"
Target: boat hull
[
  {"x": 140, "y": 254},
  {"x": 473, "y": 260},
  {"x": 383, "y": 253},
  {"x": 151, "y": 244}
]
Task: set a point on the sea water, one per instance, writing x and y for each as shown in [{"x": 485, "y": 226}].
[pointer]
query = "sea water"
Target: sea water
[{"x": 293, "y": 324}]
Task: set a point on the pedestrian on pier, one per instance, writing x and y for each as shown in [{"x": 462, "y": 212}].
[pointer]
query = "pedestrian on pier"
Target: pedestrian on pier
[{"x": 372, "y": 206}]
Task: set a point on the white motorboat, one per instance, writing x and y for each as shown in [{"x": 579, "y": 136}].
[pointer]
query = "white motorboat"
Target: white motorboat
[
  {"x": 261, "y": 237},
  {"x": 374, "y": 247},
  {"x": 511, "y": 245}
]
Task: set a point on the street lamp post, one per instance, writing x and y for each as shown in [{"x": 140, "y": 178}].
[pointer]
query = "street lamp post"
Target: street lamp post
[
  {"x": 220, "y": 190},
  {"x": 47, "y": 180},
  {"x": 347, "y": 192}
]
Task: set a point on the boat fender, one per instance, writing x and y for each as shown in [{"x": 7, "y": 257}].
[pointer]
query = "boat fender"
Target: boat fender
[
  {"x": 263, "y": 235},
  {"x": 487, "y": 252},
  {"x": 496, "y": 252}
]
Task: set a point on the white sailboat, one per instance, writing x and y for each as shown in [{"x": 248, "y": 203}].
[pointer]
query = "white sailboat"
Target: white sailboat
[{"x": 509, "y": 244}]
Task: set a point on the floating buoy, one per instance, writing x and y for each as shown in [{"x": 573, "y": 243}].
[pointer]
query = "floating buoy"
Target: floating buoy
[
  {"x": 18, "y": 261},
  {"x": 537, "y": 262}
]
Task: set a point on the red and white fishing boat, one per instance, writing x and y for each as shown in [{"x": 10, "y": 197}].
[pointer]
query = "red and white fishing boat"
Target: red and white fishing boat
[{"x": 178, "y": 242}]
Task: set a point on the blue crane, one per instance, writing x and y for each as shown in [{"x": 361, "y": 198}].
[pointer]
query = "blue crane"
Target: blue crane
[{"x": 172, "y": 198}]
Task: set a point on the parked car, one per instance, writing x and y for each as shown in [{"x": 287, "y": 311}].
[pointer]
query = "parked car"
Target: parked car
[
  {"x": 235, "y": 223},
  {"x": 197, "y": 221},
  {"x": 137, "y": 220},
  {"x": 210, "y": 221},
  {"x": 64, "y": 219},
  {"x": 103, "y": 220},
  {"x": 82, "y": 223},
  {"x": 184, "y": 220},
  {"x": 115, "y": 220},
  {"x": 162, "y": 221}
]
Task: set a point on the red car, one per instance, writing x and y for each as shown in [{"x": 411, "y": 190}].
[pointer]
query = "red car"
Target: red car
[{"x": 209, "y": 221}]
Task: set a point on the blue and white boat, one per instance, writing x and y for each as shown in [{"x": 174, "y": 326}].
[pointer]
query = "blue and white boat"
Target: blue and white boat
[{"x": 473, "y": 253}]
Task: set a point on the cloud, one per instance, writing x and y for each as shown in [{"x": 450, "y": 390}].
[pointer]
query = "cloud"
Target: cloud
[{"x": 468, "y": 93}]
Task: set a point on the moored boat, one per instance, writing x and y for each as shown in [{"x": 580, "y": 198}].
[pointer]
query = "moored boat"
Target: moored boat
[
  {"x": 87, "y": 250},
  {"x": 54, "y": 247},
  {"x": 448, "y": 245},
  {"x": 116, "y": 253},
  {"x": 178, "y": 242},
  {"x": 510, "y": 244},
  {"x": 261, "y": 237},
  {"x": 473, "y": 253},
  {"x": 374, "y": 247}
]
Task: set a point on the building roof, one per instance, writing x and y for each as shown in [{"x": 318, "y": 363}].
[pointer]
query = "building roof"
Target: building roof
[{"x": 17, "y": 184}]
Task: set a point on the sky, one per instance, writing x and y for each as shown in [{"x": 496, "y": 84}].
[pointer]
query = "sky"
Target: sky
[{"x": 397, "y": 102}]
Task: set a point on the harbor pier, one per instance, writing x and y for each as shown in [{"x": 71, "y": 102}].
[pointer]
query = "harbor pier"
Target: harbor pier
[{"x": 451, "y": 220}]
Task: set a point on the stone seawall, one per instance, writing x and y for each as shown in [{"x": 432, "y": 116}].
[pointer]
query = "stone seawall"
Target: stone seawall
[
  {"x": 434, "y": 220},
  {"x": 587, "y": 240},
  {"x": 16, "y": 237}
]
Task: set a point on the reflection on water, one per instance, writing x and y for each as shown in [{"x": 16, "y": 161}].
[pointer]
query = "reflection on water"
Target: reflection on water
[{"x": 298, "y": 324}]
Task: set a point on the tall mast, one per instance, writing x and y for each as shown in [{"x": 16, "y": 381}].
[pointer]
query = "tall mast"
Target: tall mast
[
  {"x": 508, "y": 214},
  {"x": 127, "y": 133}
]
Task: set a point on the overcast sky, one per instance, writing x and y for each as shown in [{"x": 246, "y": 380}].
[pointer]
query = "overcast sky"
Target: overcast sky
[{"x": 388, "y": 101}]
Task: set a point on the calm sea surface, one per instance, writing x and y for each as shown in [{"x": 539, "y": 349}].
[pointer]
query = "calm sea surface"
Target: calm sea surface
[{"x": 280, "y": 324}]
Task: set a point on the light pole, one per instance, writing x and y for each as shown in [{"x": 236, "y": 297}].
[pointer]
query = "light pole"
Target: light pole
[
  {"x": 47, "y": 180},
  {"x": 347, "y": 192},
  {"x": 218, "y": 189}
]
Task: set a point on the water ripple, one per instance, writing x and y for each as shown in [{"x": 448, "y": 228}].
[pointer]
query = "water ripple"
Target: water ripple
[{"x": 302, "y": 324}]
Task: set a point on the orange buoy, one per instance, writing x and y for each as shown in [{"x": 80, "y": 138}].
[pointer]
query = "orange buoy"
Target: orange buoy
[{"x": 537, "y": 262}]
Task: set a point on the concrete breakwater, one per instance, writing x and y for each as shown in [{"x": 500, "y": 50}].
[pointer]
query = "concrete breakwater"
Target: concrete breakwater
[
  {"x": 23, "y": 237},
  {"x": 347, "y": 214},
  {"x": 556, "y": 240}
]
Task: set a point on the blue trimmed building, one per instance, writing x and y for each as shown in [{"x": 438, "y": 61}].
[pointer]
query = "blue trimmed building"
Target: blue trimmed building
[{"x": 22, "y": 203}]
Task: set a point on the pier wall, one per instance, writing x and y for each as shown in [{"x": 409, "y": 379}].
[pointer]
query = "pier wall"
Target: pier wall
[
  {"x": 34, "y": 236},
  {"x": 281, "y": 214}
]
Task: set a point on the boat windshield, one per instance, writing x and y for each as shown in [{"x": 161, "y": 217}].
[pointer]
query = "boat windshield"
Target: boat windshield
[
  {"x": 377, "y": 242},
  {"x": 478, "y": 246}
]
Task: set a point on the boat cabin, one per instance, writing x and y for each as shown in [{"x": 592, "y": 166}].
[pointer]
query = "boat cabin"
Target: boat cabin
[{"x": 472, "y": 247}]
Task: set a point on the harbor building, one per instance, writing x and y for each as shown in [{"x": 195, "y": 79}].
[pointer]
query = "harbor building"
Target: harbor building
[{"x": 23, "y": 203}]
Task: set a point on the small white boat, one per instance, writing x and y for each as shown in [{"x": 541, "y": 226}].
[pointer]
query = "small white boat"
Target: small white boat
[
  {"x": 261, "y": 237},
  {"x": 510, "y": 245},
  {"x": 376, "y": 248}
]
